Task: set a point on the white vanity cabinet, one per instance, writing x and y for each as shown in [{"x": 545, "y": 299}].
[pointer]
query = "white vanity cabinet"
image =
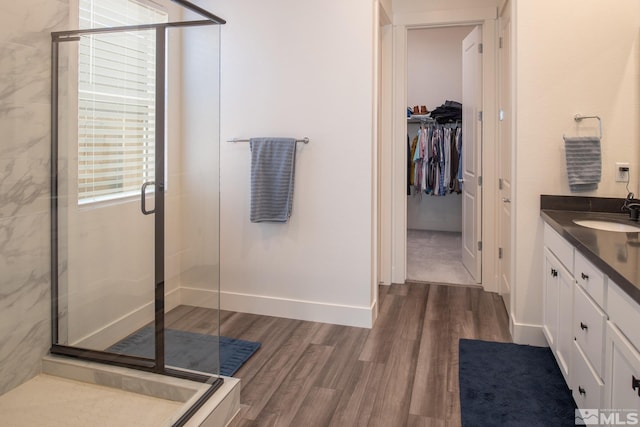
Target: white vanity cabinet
[
  {"x": 558, "y": 298},
  {"x": 574, "y": 318},
  {"x": 622, "y": 356},
  {"x": 592, "y": 325}
]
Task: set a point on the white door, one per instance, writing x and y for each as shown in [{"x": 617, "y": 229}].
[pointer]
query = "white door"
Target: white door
[
  {"x": 471, "y": 150},
  {"x": 504, "y": 161}
]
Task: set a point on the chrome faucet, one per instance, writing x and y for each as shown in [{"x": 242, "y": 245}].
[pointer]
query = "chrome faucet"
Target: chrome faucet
[{"x": 633, "y": 206}]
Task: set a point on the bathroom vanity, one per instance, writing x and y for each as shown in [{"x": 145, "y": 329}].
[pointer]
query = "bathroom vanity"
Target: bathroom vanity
[{"x": 591, "y": 299}]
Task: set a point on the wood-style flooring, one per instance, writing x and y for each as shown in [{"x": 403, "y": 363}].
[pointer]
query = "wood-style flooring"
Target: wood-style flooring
[{"x": 402, "y": 372}]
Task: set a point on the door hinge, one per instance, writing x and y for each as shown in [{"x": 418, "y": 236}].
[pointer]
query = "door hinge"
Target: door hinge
[
  {"x": 500, "y": 183},
  {"x": 480, "y": 181},
  {"x": 479, "y": 47},
  {"x": 480, "y": 115},
  {"x": 499, "y": 253},
  {"x": 480, "y": 245},
  {"x": 500, "y": 42}
]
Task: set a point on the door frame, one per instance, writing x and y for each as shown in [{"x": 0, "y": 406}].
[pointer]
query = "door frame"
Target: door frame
[
  {"x": 507, "y": 9},
  {"x": 487, "y": 18}
]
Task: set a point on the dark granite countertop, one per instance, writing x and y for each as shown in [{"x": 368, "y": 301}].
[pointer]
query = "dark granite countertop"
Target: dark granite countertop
[{"x": 616, "y": 254}]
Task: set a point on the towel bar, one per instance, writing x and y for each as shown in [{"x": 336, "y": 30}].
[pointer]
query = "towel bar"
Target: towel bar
[
  {"x": 305, "y": 140},
  {"x": 578, "y": 118}
]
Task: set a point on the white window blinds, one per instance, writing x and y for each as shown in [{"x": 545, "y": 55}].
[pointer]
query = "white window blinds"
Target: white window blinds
[{"x": 116, "y": 100}]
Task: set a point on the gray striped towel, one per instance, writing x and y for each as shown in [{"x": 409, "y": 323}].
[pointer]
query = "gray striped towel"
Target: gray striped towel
[
  {"x": 584, "y": 162},
  {"x": 272, "y": 176}
]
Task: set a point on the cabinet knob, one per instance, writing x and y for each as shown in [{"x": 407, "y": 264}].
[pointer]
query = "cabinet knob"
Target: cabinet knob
[
  {"x": 584, "y": 276},
  {"x": 582, "y": 391},
  {"x": 554, "y": 272},
  {"x": 635, "y": 384},
  {"x": 583, "y": 326}
]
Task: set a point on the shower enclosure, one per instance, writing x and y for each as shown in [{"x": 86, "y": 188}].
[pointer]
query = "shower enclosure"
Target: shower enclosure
[{"x": 135, "y": 184}]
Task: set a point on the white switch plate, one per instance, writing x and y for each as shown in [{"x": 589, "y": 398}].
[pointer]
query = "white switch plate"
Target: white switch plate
[{"x": 622, "y": 176}]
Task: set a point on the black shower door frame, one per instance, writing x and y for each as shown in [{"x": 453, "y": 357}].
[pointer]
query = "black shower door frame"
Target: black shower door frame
[{"x": 157, "y": 364}]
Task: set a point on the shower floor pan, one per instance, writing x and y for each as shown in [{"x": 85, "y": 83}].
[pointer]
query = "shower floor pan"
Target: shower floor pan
[{"x": 74, "y": 393}]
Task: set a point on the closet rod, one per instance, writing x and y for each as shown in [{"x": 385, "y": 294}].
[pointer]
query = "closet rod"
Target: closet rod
[{"x": 305, "y": 140}]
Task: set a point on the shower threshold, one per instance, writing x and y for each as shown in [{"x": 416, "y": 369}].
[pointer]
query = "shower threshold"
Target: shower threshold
[{"x": 73, "y": 392}]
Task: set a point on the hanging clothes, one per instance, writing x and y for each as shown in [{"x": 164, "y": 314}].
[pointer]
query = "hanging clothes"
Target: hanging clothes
[
  {"x": 456, "y": 162},
  {"x": 436, "y": 155},
  {"x": 408, "y": 166}
]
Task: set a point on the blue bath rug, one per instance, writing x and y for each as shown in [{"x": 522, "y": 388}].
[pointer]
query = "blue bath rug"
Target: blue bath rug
[
  {"x": 190, "y": 350},
  {"x": 505, "y": 384}
]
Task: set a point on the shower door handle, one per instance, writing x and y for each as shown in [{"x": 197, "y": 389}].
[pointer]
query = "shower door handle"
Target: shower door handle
[{"x": 143, "y": 198}]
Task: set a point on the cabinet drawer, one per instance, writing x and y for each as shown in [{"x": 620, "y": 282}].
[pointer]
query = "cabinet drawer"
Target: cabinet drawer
[
  {"x": 588, "y": 326},
  {"x": 559, "y": 246},
  {"x": 624, "y": 312},
  {"x": 587, "y": 388},
  {"x": 590, "y": 278}
]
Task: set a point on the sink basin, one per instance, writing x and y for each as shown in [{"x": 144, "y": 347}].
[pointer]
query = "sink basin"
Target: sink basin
[{"x": 607, "y": 225}]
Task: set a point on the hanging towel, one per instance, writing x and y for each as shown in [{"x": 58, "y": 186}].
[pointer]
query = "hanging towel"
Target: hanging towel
[
  {"x": 584, "y": 163},
  {"x": 272, "y": 176}
]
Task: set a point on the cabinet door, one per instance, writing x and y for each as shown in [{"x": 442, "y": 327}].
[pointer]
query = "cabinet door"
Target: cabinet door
[
  {"x": 564, "y": 344},
  {"x": 550, "y": 299},
  {"x": 622, "y": 382}
]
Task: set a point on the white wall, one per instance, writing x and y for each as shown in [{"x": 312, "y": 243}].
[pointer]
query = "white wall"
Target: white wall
[
  {"x": 434, "y": 65},
  {"x": 434, "y": 75},
  {"x": 300, "y": 69},
  {"x": 581, "y": 58}
]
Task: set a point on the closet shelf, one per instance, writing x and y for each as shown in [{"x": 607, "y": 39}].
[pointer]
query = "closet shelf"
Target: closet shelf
[{"x": 420, "y": 118}]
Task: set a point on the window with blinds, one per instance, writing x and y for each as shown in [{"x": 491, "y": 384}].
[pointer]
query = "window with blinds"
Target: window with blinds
[{"x": 116, "y": 100}]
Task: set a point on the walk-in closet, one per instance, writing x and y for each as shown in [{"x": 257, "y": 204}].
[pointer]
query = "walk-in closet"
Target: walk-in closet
[{"x": 434, "y": 144}]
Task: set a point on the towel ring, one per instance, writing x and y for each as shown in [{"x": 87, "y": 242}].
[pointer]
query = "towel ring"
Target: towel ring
[{"x": 578, "y": 118}]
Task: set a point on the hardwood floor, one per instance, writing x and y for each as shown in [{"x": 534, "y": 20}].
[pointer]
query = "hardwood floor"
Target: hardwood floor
[{"x": 402, "y": 372}]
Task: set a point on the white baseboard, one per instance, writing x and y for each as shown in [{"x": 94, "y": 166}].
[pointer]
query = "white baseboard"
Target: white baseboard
[
  {"x": 199, "y": 297},
  {"x": 362, "y": 317},
  {"x": 125, "y": 325},
  {"x": 523, "y": 333}
]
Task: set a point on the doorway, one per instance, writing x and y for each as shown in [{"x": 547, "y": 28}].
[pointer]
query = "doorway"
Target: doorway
[
  {"x": 394, "y": 208},
  {"x": 443, "y": 202}
]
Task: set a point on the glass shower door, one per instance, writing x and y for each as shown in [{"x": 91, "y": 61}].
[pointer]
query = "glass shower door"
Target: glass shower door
[
  {"x": 191, "y": 210},
  {"x": 107, "y": 193},
  {"x": 135, "y": 206}
]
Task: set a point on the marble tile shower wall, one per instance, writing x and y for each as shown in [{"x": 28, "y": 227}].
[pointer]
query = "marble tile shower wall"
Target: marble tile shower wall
[{"x": 25, "y": 69}]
